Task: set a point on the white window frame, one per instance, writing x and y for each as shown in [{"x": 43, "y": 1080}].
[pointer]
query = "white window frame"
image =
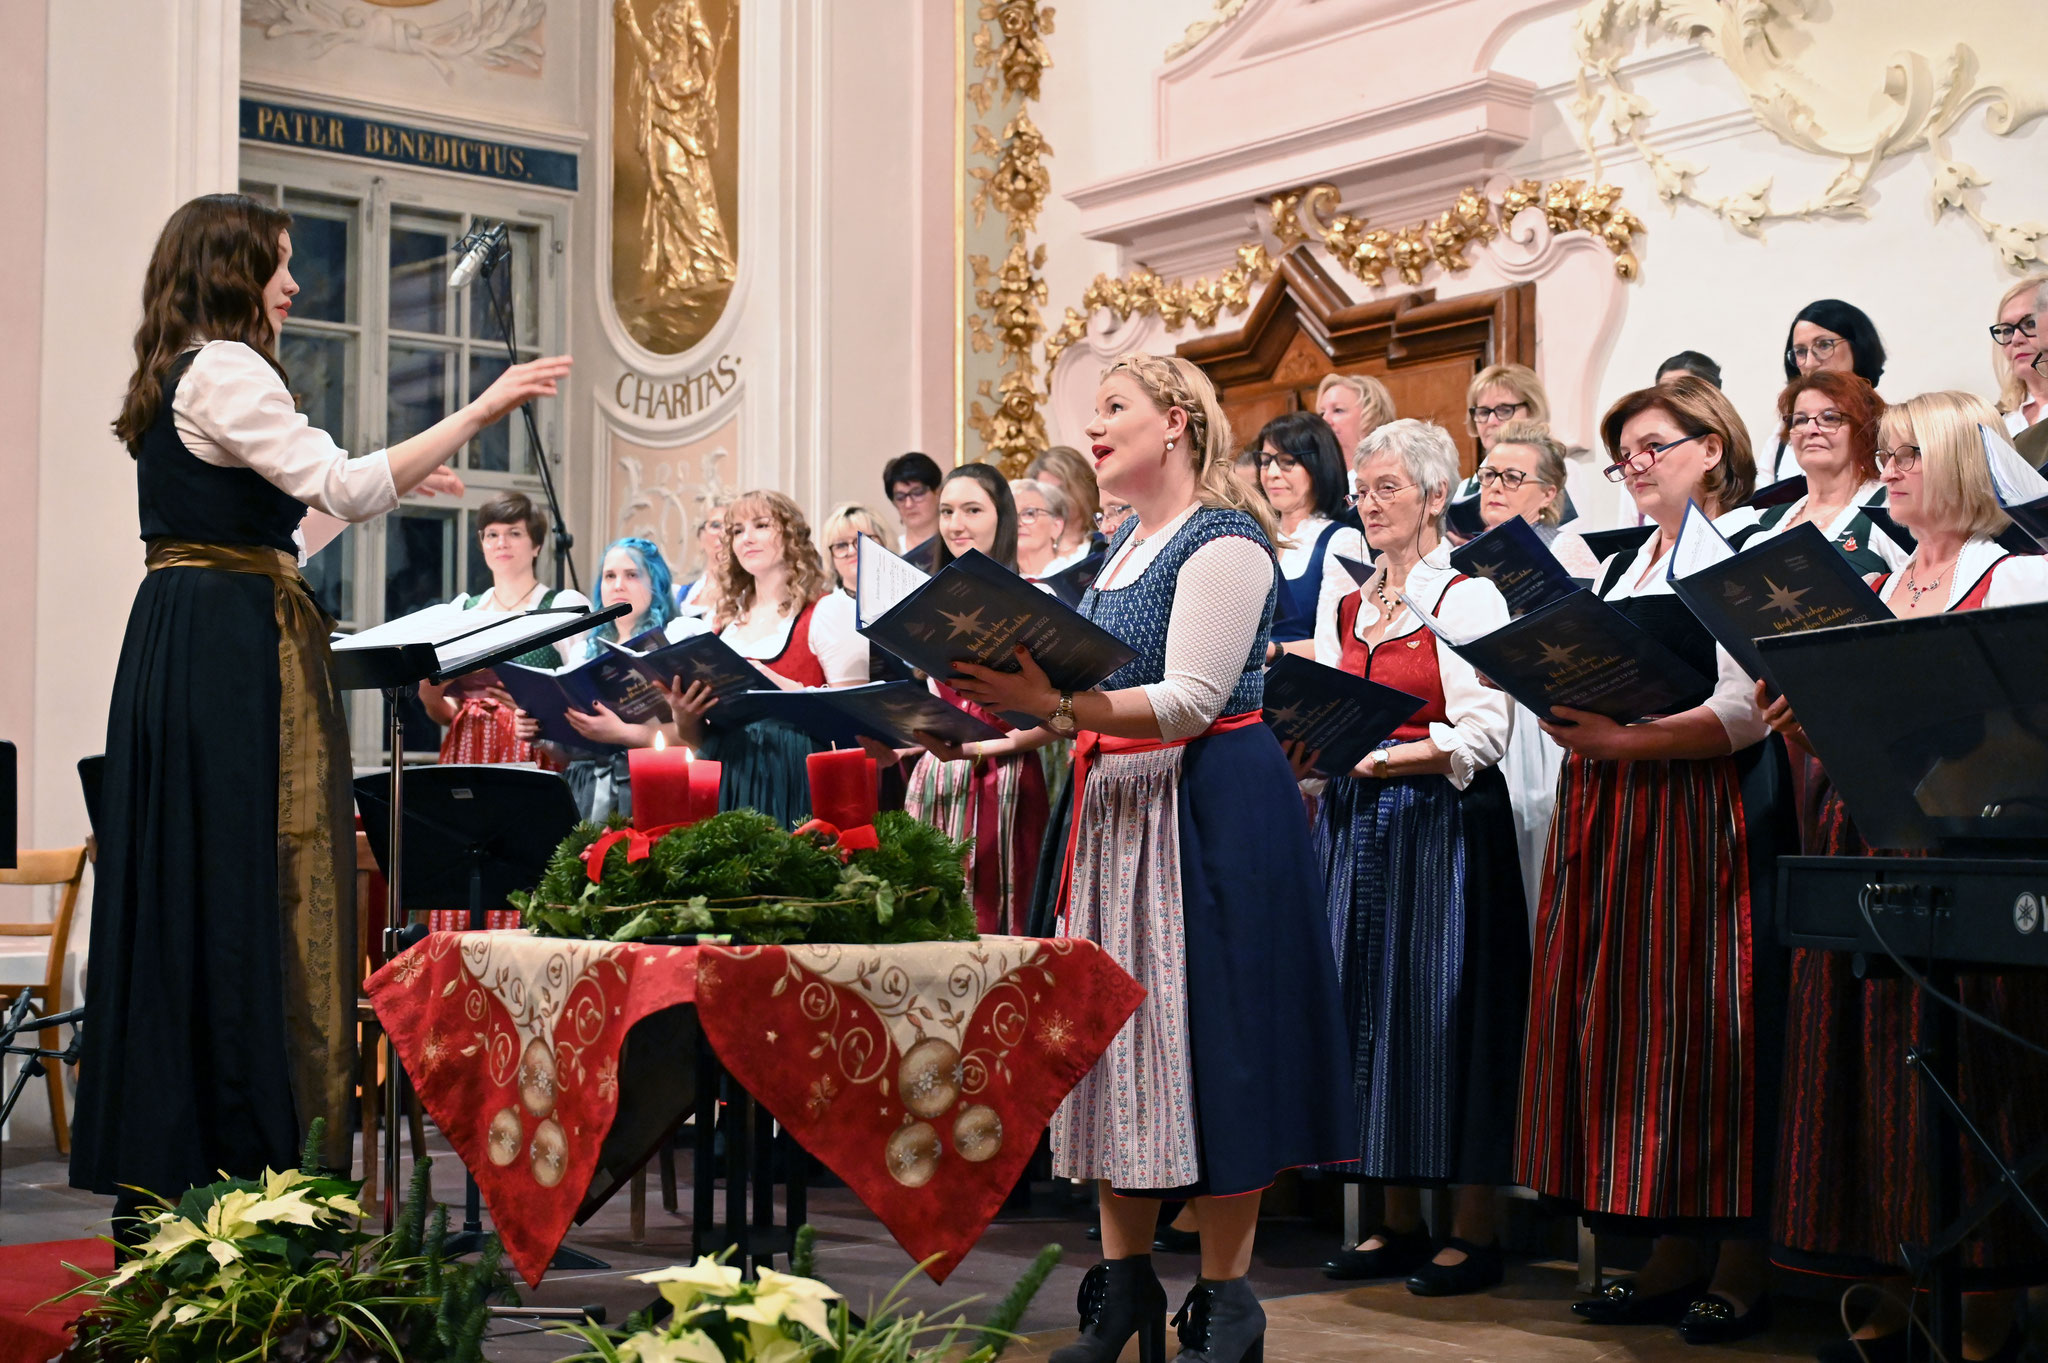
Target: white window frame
[{"x": 376, "y": 190}]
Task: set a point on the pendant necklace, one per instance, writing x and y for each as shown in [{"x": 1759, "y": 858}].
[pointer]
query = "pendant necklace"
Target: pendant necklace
[{"x": 1919, "y": 591}]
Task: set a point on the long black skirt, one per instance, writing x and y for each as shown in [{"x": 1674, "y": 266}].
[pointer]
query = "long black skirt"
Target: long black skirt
[{"x": 184, "y": 1070}]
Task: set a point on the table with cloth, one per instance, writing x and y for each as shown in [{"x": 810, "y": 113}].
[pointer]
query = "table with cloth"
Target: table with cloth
[{"x": 922, "y": 1075}]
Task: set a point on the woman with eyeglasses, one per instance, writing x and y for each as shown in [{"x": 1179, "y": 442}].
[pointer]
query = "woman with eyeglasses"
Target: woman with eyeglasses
[
  {"x": 2015, "y": 349},
  {"x": 1043, "y": 513},
  {"x": 701, "y": 597},
  {"x": 1498, "y": 394},
  {"x": 1827, "y": 335},
  {"x": 1649, "y": 1075},
  {"x": 483, "y": 721},
  {"x": 1851, "y": 1187},
  {"x": 1301, "y": 475},
  {"x": 990, "y": 794},
  {"x": 1417, "y": 848},
  {"x": 1831, "y": 420},
  {"x": 1063, "y": 467},
  {"x": 1523, "y": 475}
]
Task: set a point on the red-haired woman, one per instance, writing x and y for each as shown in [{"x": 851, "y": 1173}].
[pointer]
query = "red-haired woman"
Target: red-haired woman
[
  {"x": 222, "y": 1014},
  {"x": 1829, "y": 419}
]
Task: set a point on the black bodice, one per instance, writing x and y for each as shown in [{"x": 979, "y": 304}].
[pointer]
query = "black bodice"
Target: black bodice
[
  {"x": 1664, "y": 618},
  {"x": 182, "y": 497}
]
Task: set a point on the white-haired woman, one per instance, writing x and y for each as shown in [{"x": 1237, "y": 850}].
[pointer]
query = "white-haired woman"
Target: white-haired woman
[
  {"x": 2015, "y": 341},
  {"x": 1191, "y": 865},
  {"x": 1425, "y": 900}
]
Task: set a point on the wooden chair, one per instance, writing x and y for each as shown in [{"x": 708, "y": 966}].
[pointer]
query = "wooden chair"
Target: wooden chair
[{"x": 57, "y": 866}]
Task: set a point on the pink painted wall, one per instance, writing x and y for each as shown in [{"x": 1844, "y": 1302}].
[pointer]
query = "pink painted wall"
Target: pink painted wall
[{"x": 23, "y": 110}]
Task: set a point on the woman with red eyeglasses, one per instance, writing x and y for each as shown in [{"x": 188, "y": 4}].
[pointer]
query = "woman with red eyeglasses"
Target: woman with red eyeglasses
[{"x": 1648, "y": 1075}]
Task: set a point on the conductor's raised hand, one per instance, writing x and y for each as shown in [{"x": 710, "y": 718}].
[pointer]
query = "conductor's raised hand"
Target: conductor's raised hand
[
  {"x": 442, "y": 482},
  {"x": 1027, "y": 690},
  {"x": 520, "y": 384}
]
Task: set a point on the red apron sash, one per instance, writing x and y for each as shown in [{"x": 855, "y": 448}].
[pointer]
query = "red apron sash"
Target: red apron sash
[{"x": 1088, "y": 743}]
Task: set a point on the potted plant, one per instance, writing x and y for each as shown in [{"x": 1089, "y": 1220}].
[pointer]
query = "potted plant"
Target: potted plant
[
  {"x": 717, "y": 1315},
  {"x": 278, "y": 1268}
]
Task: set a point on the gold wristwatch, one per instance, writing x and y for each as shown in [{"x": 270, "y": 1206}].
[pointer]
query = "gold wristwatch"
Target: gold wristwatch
[
  {"x": 1380, "y": 763},
  {"x": 1062, "y": 720}
]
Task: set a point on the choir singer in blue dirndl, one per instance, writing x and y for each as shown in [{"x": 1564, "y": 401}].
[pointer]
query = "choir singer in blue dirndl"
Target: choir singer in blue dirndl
[{"x": 1189, "y": 861}]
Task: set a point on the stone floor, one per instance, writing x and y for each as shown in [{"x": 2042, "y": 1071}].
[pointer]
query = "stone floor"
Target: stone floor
[{"x": 1524, "y": 1319}]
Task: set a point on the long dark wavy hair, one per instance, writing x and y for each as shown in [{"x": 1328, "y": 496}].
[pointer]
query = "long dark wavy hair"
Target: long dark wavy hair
[
  {"x": 205, "y": 282},
  {"x": 998, "y": 489}
]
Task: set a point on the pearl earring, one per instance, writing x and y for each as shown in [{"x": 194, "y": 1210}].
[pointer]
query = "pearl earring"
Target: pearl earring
[{"x": 1169, "y": 444}]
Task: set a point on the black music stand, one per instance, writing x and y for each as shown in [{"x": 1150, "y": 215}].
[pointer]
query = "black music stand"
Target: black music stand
[
  {"x": 1935, "y": 731},
  {"x": 394, "y": 670},
  {"x": 473, "y": 834}
]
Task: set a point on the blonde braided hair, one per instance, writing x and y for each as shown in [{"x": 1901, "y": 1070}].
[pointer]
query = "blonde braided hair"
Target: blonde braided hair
[{"x": 1169, "y": 381}]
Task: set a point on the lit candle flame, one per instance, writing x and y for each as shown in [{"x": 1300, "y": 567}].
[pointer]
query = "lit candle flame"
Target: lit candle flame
[{"x": 660, "y": 740}]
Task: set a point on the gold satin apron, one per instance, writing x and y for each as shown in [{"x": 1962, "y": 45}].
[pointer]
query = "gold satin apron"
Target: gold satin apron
[{"x": 315, "y": 854}]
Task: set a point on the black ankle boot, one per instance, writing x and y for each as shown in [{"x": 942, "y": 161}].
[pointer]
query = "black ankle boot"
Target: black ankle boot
[
  {"x": 1119, "y": 1298},
  {"x": 1221, "y": 1322}
]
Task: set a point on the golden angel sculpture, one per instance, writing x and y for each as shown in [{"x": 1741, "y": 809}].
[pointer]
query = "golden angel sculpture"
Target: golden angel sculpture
[{"x": 685, "y": 253}]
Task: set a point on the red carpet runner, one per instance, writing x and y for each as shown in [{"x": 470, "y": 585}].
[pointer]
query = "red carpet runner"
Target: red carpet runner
[
  {"x": 31, "y": 1275},
  {"x": 921, "y": 1075}
]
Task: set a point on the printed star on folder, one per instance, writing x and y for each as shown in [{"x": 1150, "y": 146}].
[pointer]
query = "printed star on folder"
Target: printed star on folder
[
  {"x": 705, "y": 669},
  {"x": 1556, "y": 655},
  {"x": 967, "y": 623},
  {"x": 1783, "y": 599},
  {"x": 1485, "y": 570},
  {"x": 1284, "y": 716}
]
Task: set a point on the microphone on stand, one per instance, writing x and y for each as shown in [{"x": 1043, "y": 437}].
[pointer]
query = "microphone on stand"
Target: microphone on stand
[{"x": 480, "y": 244}]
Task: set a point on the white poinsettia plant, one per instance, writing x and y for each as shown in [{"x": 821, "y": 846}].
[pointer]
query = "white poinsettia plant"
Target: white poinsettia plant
[
  {"x": 207, "y": 1239},
  {"x": 717, "y": 1315}
]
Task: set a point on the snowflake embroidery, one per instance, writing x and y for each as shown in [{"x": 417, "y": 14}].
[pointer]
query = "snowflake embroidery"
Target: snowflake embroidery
[
  {"x": 432, "y": 1052},
  {"x": 408, "y": 966},
  {"x": 608, "y": 1080},
  {"x": 1055, "y": 1032},
  {"x": 823, "y": 1091}
]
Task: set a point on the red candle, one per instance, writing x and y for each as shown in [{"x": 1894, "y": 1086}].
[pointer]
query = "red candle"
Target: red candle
[
  {"x": 670, "y": 787},
  {"x": 843, "y": 787}
]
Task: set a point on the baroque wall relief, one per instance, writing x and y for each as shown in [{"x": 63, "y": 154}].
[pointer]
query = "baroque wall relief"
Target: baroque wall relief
[
  {"x": 1894, "y": 79},
  {"x": 663, "y": 492},
  {"x": 506, "y": 36},
  {"x": 674, "y": 198}
]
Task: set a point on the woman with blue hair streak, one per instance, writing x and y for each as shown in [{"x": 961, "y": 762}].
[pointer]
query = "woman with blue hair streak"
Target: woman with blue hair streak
[{"x": 633, "y": 572}]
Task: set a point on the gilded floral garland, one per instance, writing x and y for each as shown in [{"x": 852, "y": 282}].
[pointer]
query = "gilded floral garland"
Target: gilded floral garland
[
  {"x": 1011, "y": 56},
  {"x": 1926, "y": 101},
  {"x": 1364, "y": 251}
]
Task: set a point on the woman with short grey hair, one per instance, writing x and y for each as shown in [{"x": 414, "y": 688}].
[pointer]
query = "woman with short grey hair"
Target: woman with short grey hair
[{"x": 1426, "y": 906}]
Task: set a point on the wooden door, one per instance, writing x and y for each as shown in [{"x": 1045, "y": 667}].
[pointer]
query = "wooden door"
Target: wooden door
[{"x": 1426, "y": 352}]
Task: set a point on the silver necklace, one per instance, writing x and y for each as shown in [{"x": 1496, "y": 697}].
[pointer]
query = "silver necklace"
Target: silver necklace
[{"x": 1919, "y": 591}]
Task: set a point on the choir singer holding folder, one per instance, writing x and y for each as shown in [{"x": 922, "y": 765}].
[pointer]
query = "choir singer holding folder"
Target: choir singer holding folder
[
  {"x": 1190, "y": 863},
  {"x": 1647, "y": 1091},
  {"x": 221, "y": 1013}
]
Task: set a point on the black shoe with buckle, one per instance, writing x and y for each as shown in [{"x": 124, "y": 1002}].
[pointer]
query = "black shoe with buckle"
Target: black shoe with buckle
[
  {"x": 1399, "y": 1254},
  {"x": 1623, "y": 1302},
  {"x": 1716, "y": 1320},
  {"x": 1481, "y": 1268}
]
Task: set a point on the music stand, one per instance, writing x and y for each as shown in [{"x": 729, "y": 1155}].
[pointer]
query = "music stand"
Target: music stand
[
  {"x": 1935, "y": 733},
  {"x": 395, "y": 669},
  {"x": 473, "y": 834}
]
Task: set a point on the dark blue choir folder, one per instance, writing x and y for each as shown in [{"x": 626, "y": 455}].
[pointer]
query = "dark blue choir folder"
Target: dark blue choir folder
[
  {"x": 1361, "y": 573},
  {"x": 892, "y": 711},
  {"x": 1781, "y": 493},
  {"x": 1785, "y": 585},
  {"x": 975, "y": 610},
  {"x": 1581, "y": 652},
  {"x": 1605, "y": 544},
  {"x": 1514, "y": 558},
  {"x": 1333, "y": 713},
  {"x": 625, "y": 682}
]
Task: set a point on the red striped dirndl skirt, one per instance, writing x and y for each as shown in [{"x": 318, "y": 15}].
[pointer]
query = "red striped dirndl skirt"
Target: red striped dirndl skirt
[{"x": 1639, "y": 1073}]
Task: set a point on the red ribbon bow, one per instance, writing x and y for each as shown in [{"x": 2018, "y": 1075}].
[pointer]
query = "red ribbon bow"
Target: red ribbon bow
[
  {"x": 639, "y": 842},
  {"x": 850, "y": 840}
]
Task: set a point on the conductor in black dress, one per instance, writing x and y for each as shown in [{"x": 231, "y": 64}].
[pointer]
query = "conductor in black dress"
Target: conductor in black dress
[{"x": 221, "y": 989}]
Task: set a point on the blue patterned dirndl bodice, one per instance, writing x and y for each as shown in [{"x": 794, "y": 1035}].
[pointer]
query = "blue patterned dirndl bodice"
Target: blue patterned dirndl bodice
[{"x": 1138, "y": 612}]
